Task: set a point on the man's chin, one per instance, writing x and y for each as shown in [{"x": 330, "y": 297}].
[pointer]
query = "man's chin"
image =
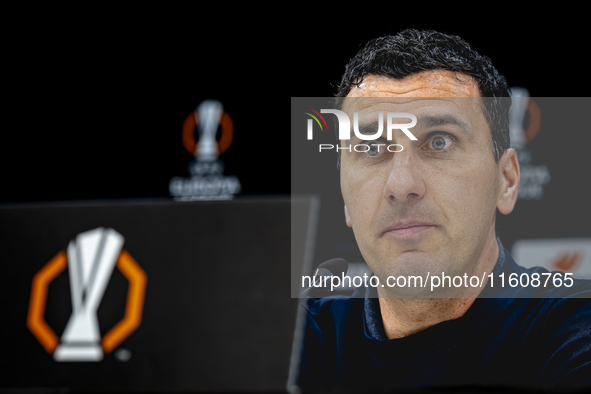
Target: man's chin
[{"x": 412, "y": 262}]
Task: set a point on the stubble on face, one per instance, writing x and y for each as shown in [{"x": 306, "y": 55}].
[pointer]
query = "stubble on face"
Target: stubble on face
[{"x": 456, "y": 193}]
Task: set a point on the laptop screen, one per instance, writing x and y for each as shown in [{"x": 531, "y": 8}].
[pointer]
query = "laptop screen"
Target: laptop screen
[{"x": 154, "y": 295}]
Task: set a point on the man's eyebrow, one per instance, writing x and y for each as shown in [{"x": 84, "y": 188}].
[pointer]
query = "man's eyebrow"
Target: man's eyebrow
[
  {"x": 371, "y": 127},
  {"x": 429, "y": 121},
  {"x": 424, "y": 121}
]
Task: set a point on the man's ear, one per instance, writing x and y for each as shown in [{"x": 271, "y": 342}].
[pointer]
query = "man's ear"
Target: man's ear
[
  {"x": 347, "y": 217},
  {"x": 510, "y": 175}
]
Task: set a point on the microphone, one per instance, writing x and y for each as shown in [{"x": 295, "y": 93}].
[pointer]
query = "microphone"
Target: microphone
[{"x": 332, "y": 267}]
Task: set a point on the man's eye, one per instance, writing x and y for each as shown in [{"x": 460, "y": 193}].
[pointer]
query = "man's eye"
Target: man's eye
[
  {"x": 440, "y": 142},
  {"x": 373, "y": 150}
]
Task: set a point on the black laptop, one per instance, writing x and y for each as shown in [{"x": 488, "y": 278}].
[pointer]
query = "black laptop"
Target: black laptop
[{"x": 154, "y": 295}]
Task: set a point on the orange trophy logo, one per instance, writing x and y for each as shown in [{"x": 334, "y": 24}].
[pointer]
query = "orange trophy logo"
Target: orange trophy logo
[{"x": 91, "y": 258}]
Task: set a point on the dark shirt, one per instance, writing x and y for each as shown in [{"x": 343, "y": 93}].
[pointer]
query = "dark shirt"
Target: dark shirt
[{"x": 499, "y": 342}]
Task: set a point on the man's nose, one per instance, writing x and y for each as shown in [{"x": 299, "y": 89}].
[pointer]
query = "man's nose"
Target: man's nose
[{"x": 405, "y": 181}]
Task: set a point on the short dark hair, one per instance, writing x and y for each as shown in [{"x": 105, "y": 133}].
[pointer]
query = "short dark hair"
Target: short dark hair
[{"x": 412, "y": 51}]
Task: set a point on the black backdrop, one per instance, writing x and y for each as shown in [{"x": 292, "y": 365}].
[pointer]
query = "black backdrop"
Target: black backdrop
[{"x": 96, "y": 104}]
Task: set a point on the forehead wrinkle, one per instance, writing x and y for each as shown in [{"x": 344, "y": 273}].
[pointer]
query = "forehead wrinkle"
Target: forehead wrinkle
[
  {"x": 350, "y": 104},
  {"x": 431, "y": 80},
  {"x": 393, "y": 92}
]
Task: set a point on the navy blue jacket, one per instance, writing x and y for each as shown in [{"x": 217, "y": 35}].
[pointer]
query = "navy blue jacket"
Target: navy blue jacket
[{"x": 499, "y": 342}]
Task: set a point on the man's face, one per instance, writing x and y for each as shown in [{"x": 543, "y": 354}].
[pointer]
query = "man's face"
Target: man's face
[{"x": 430, "y": 208}]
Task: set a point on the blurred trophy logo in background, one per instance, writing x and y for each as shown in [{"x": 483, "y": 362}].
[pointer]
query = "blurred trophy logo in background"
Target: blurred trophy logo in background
[
  {"x": 91, "y": 258},
  {"x": 206, "y": 181},
  {"x": 533, "y": 176}
]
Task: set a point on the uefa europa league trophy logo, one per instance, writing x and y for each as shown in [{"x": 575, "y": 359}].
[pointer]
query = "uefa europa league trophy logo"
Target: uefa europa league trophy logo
[
  {"x": 91, "y": 259},
  {"x": 519, "y": 102},
  {"x": 533, "y": 176},
  {"x": 210, "y": 113},
  {"x": 207, "y": 180}
]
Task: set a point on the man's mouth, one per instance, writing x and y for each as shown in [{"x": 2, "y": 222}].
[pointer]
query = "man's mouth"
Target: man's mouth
[{"x": 408, "y": 229}]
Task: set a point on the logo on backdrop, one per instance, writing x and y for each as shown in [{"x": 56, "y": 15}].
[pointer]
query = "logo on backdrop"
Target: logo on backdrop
[
  {"x": 533, "y": 176},
  {"x": 206, "y": 181},
  {"x": 345, "y": 129},
  {"x": 91, "y": 258},
  {"x": 555, "y": 254}
]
